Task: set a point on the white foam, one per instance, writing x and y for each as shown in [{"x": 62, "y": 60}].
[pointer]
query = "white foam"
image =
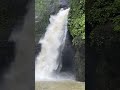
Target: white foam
[{"x": 46, "y": 62}]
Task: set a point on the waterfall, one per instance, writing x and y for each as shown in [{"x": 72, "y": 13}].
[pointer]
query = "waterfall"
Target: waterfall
[{"x": 47, "y": 61}]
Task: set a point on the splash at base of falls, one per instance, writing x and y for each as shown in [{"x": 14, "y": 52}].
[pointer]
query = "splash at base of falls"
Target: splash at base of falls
[
  {"x": 47, "y": 62},
  {"x": 64, "y": 76}
]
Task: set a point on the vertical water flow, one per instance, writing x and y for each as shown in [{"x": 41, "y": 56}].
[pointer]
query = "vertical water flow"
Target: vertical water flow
[{"x": 51, "y": 45}]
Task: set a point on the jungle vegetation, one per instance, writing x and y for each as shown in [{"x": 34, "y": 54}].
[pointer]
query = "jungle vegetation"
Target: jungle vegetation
[
  {"x": 77, "y": 30},
  {"x": 103, "y": 36}
]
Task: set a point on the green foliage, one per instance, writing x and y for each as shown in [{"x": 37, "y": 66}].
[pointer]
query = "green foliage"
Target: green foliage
[
  {"x": 103, "y": 11},
  {"x": 43, "y": 10},
  {"x": 77, "y": 30},
  {"x": 116, "y": 22},
  {"x": 104, "y": 17},
  {"x": 40, "y": 17},
  {"x": 77, "y": 21}
]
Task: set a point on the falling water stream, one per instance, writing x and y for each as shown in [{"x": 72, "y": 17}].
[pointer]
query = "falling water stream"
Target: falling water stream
[{"x": 48, "y": 64}]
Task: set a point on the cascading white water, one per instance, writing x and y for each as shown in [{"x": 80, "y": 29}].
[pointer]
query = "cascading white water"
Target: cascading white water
[{"x": 51, "y": 45}]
